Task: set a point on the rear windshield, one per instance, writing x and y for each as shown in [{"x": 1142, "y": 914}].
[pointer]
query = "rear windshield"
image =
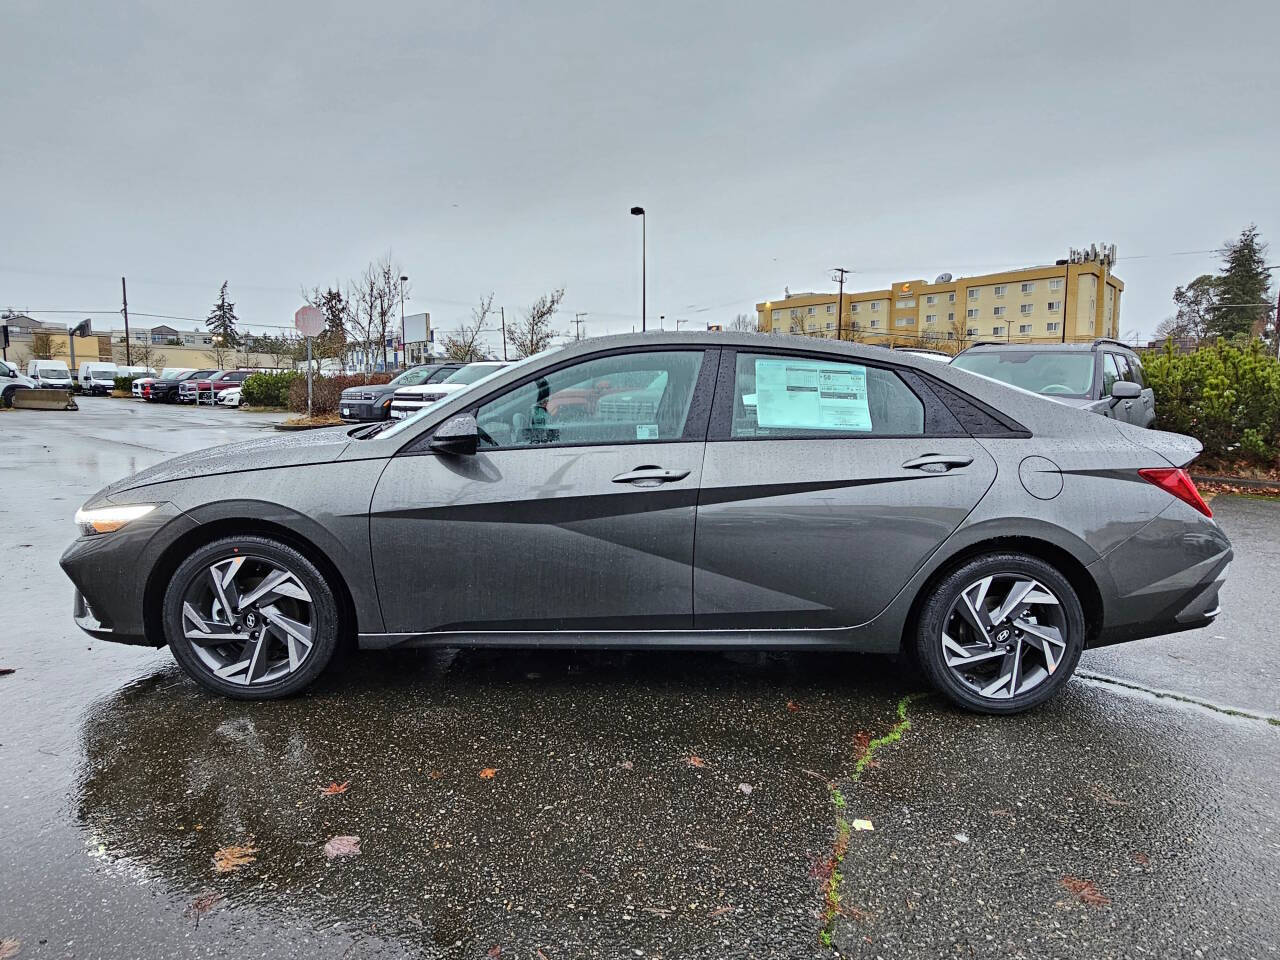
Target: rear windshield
[
  {"x": 471, "y": 373},
  {"x": 1053, "y": 373}
]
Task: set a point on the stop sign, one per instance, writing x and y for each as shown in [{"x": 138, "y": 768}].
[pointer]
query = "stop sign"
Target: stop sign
[{"x": 309, "y": 321}]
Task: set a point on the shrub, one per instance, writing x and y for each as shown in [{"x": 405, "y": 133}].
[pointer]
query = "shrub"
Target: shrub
[
  {"x": 270, "y": 389},
  {"x": 1226, "y": 396},
  {"x": 326, "y": 391},
  {"x": 125, "y": 384}
]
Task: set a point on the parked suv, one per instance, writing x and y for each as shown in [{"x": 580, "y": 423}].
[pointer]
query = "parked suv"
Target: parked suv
[
  {"x": 165, "y": 389},
  {"x": 407, "y": 401},
  {"x": 202, "y": 390},
  {"x": 373, "y": 400},
  {"x": 1104, "y": 376}
]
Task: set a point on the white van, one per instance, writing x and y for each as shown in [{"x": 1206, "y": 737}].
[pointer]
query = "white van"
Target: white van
[
  {"x": 50, "y": 373},
  {"x": 97, "y": 377}
]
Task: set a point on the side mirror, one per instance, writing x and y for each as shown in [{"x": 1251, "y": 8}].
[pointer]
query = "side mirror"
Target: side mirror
[
  {"x": 459, "y": 436},
  {"x": 1125, "y": 390}
]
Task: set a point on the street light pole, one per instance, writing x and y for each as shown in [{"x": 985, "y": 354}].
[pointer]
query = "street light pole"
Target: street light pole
[
  {"x": 644, "y": 288},
  {"x": 404, "y": 341}
]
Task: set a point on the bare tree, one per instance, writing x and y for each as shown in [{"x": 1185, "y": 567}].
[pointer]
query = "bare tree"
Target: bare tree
[
  {"x": 533, "y": 332},
  {"x": 141, "y": 353},
  {"x": 744, "y": 323},
  {"x": 362, "y": 314},
  {"x": 44, "y": 347},
  {"x": 464, "y": 343}
]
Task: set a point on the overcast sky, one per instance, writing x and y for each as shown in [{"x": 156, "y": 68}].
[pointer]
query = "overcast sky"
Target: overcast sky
[{"x": 498, "y": 147}]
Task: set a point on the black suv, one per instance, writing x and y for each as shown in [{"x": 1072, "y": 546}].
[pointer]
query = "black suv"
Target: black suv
[
  {"x": 373, "y": 401},
  {"x": 1104, "y": 376}
]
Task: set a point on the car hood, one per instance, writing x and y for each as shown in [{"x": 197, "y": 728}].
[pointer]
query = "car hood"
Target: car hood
[
  {"x": 377, "y": 389},
  {"x": 1079, "y": 402},
  {"x": 281, "y": 450}
]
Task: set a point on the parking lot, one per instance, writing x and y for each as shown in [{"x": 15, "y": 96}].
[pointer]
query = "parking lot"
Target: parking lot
[{"x": 548, "y": 804}]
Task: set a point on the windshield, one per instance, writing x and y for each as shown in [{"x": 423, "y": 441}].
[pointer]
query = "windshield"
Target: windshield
[
  {"x": 1054, "y": 373},
  {"x": 53, "y": 373},
  {"x": 399, "y": 426},
  {"x": 414, "y": 377},
  {"x": 471, "y": 373},
  {"x": 102, "y": 373}
]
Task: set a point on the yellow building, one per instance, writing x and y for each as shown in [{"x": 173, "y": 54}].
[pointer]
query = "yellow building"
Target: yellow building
[{"x": 1076, "y": 299}]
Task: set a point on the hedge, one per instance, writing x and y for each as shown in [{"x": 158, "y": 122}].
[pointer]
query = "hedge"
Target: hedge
[
  {"x": 270, "y": 389},
  {"x": 326, "y": 391},
  {"x": 1226, "y": 396},
  {"x": 125, "y": 384}
]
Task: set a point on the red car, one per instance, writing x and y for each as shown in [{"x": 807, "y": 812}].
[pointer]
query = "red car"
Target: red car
[{"x": 202, "y": 391}]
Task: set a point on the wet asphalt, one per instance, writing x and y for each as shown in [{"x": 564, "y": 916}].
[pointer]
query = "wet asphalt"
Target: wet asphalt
[{"x": 561, "y": 804}]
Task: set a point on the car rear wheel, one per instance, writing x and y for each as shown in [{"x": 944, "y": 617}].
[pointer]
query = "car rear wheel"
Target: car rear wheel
[
  {"x": 250, "y": 618},
  {"x": 1001, "y": 633}
]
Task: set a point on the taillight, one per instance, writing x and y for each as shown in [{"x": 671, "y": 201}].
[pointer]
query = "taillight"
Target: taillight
[{"x": 1178, "y": 482}]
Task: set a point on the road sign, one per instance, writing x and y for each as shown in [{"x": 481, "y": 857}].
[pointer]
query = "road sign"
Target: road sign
[{"x": 309, "y": 321}]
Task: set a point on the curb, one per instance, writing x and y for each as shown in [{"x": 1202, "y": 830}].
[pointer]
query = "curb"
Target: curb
[
  {"x": 1237, "y": 481},
  {"x": 288, "y": 427}
]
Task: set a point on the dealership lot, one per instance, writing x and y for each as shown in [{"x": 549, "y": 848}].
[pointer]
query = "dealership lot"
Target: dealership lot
[{"x": 616, "y": 804}]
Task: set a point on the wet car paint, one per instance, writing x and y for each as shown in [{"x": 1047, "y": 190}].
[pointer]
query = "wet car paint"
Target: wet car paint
[{"x": 597, "y": 836}]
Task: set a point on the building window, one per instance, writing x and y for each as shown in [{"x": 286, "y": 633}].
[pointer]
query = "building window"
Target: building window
[
  {"x": 951, "y": 297},
  {"x": 951, "y": 334},
  {"x": 1054, "y": 306},
  {"x": 905, "y": 304},
  {"x": 930, "y": 318},
  {"x": 831, "y": 308},
  {"x": 973, "y": 293},
  {"x": 951, "y": 318},
  {"x": 811, "y": 311},
  {"x": 874, "y": 323},
  {"x": 875, "y": 305},
  {"x": 1024, "y": 328},
  {"x": 830, "y": 325},
  {"x": 973, "y": 313},
  {"x": 999, "y": 311},
  {"x": 971, "y": 332},
  {"x": 902, "y": 321},
  {"x": 793, "y": 328},
  {"x": 997, "y": 331},
  {"x": 1000, "y": 289},
  {"x": 1028, "y": 288},
  {"x": 795, "y": 314},
  {"x": 777, "y": 314},
  {"x": 1052, "y": 326},
  {"x": 1027, "y": 308},
  {"x": 931, "y": 299},
  {"x": 853, "y": 308},
  {"x": 1055, "y": 283}
]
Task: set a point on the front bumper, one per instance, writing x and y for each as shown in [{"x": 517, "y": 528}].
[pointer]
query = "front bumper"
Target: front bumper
[
  {"x": 110, "y": 574},
  {"x": 363, "y": 411}
]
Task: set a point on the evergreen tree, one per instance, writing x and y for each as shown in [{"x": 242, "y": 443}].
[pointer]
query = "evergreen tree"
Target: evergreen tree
[
  {"x": 222, "y": 320},
  {"x": 1242, "y": 292}
]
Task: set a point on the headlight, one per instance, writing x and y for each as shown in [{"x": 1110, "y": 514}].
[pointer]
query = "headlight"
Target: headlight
[{"x": 109, "y": 519}]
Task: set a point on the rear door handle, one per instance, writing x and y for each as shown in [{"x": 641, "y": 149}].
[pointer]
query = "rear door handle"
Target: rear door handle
[
  {"x": 649, "y": 475},
  {"x": 938, "y": 462}
]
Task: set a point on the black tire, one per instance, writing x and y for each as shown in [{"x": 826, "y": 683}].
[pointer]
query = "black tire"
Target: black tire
[
  {"x": 6, "y": 398},
  {"x": 324, "y": 613},
  {"x": 927, "y": 644}
]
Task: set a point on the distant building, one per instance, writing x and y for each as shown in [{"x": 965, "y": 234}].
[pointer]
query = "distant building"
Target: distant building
[{"x": 1076, "y": 299}]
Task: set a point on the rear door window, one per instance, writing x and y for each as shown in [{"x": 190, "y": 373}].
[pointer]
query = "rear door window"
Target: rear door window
[{"x": 788, "y": 396}]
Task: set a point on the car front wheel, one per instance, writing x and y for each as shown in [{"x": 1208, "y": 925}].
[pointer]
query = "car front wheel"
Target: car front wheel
[
  {"x": 1001, "y": 633},
  {"x": 250, "y": 618}
]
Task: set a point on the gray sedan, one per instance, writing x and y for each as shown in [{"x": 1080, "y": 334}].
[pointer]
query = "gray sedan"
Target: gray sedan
[{"x": 687, "y": 490}]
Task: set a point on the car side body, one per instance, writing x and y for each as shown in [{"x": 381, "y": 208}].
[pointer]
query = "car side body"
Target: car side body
[{"x": 828, "y": 542}]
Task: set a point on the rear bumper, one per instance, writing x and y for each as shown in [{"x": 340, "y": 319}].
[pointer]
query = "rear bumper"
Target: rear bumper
[{"x": 1165, "y": 579}]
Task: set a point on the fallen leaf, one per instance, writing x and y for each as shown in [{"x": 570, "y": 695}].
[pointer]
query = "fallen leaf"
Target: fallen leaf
[
  {"x": 9, "y": 947},
  {"x": 862, "y": 825},
  {"x": 541, "y": 955},
  {"x": 1086, "y": 892},
  {"x": 495, "y": 950},
  {"x": 488, "y": 773},
  {"x": 1140, "y": 858},
  {"x": 232, "y": 858},
  {"x": 792, "y": 706},
  {"x": 627, "y": 765},
  {"x": 694, "y": 760},
  {"x": 745, "y": 788},
  {"x": 334, "y": 788},
  {"x": 342, "y": 847},
  {"x": 203, "y": 904},
  {"x": 434, "y": 774},
  {"x": 961, "y": 837},
  {"x": 719, "y": 910}
]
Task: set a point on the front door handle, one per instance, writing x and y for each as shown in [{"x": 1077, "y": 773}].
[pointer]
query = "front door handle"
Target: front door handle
[
  {"x": 938, "y": 462},
  {"x": 648, "y": 475}
]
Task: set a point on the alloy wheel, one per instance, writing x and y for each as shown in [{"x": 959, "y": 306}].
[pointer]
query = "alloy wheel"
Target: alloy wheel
[
  {"x": 249, "y": 620},
  {"x": 1004, "y": 635}
]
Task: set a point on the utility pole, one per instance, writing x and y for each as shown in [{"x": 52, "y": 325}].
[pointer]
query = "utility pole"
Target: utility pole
[
  {"x": 404, "y": 344},
  {"x": 577, "y": 324},
  {"x": 124, "y": 297},
  {"x": 502, "y": 312},
  {"x": 838, "y": 273}
]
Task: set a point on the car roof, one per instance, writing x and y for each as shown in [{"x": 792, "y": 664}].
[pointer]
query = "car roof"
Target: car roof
[{"x": 1091, "y": 347}]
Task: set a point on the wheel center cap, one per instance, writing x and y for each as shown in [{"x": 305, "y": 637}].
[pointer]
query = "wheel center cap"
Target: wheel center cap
[
  {"x": 1001, "y": 637},
  {"x": 251, "y": 620}
]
